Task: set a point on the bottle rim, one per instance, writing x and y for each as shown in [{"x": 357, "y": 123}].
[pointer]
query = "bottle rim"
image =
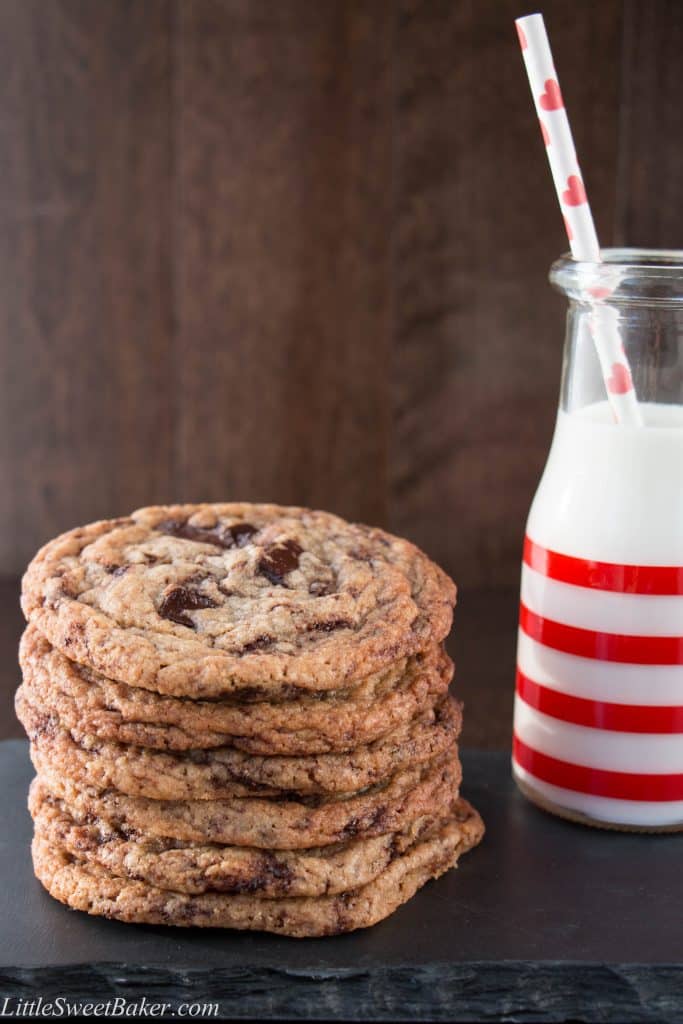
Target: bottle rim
[{"x": 624, "y": 277}]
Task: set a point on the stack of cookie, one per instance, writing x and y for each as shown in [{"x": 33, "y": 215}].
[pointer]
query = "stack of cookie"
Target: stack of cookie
[{"x": 239, "y": 717}]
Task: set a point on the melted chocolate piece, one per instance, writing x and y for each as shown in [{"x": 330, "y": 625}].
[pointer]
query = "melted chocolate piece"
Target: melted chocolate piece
[
  {"x": 180, "y": 600},
  {"x": 279, "y": 559},
  {"x": 258, "y": 644},
  {"x": 116, "y": 570},
  {"x": 269, "y": 870},
  {"x": 329, "y": 627},
  {"x": 239, "y": 535},
  {"x": 236, "y": 536}
]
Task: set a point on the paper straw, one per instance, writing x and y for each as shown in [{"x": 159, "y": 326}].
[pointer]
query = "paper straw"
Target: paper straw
[{"x": 603, "y": 322}]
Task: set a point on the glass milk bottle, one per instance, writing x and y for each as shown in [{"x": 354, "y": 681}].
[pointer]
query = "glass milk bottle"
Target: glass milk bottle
[{"x": 598, "y": 723}]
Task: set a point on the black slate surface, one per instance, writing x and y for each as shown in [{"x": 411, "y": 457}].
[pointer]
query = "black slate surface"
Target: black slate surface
[{"x": 545, "y": 921}]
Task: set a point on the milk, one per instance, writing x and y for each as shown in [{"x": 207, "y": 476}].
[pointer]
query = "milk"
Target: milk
[
  {"x": 609, "y": 494},
  {"x": 613, "y": 493}
]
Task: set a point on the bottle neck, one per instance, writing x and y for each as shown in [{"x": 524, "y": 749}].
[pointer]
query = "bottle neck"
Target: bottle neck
[{"x": 651, "y": 336}]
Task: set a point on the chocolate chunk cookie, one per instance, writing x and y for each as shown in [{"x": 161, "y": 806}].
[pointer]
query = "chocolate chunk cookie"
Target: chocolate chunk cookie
[
  {"x": 208, "y": 600},
  {"x": 194, "y": 869},
  {"x": 226, "y": 772},
  {"x": 277, "y": 824},
  {"x": 89, "y": 887},
  {"x": 332, "y": 721}
]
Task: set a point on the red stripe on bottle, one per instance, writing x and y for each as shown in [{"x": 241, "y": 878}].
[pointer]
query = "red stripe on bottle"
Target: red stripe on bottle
[
  {"x": 597, "y": 781},
  {"x": 587, "y": 643},
  {"x": 624, "y": 579},
  {"x": 599, "y": 714}
]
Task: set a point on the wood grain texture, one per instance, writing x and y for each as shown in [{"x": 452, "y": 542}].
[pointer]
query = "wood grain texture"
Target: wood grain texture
[
  {"x": 650, "y": 182},
  {"x": 84, "y": 283},
  {"x": 298, "y": 250},
  {"x": 283, "y": 252},
  {"x": 478, "y": 337}
]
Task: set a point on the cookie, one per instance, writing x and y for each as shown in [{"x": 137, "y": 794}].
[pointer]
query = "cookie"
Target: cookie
[
  {"x": 208, "y": 600},
  {"x": 225, "y": 772},
  {"x": 278, "y": 824},
  {"x": 195, "y": 869},
  {"x": 331, "y": 721},
  {"x": 85, "y": 886}
]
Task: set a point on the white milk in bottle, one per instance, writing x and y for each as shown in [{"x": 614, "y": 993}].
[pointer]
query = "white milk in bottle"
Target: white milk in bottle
[{"x": 598, "y": 725}]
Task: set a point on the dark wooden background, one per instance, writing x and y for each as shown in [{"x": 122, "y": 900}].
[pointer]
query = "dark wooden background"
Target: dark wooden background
[{"x": 296, "y": 250}]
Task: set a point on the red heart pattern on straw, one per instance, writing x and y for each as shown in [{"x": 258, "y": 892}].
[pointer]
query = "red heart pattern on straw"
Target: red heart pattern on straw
[
  {"x": 575, "y": 193},
  {"x": 551, "y": 99},
  {"x": 620, "y": 380},
  {"x": 557, "y": 136},
  {"x": 571, "y": 193}
]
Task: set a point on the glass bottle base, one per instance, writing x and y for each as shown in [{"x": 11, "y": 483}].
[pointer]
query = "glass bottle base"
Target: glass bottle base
[{"x": 570, "y": 814}]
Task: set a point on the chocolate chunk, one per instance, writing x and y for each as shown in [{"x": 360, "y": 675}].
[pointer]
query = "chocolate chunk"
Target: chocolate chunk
[
  {"x": 279, "y": 559},
  {"x": 178, "y": 600},
  {"x": 235, "y": 536},
  {"x": 240, "y": 533},
  {"x": 258, "y": 644},
  {"x": 176, "y": 528},
  {"x": 270, "y": 869},
  {"x": 329, "y": 627},
  {"x": 377, "y": 819},
  {"x": 351, "y": 829},
  {"x": 116, "y": 570}
]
